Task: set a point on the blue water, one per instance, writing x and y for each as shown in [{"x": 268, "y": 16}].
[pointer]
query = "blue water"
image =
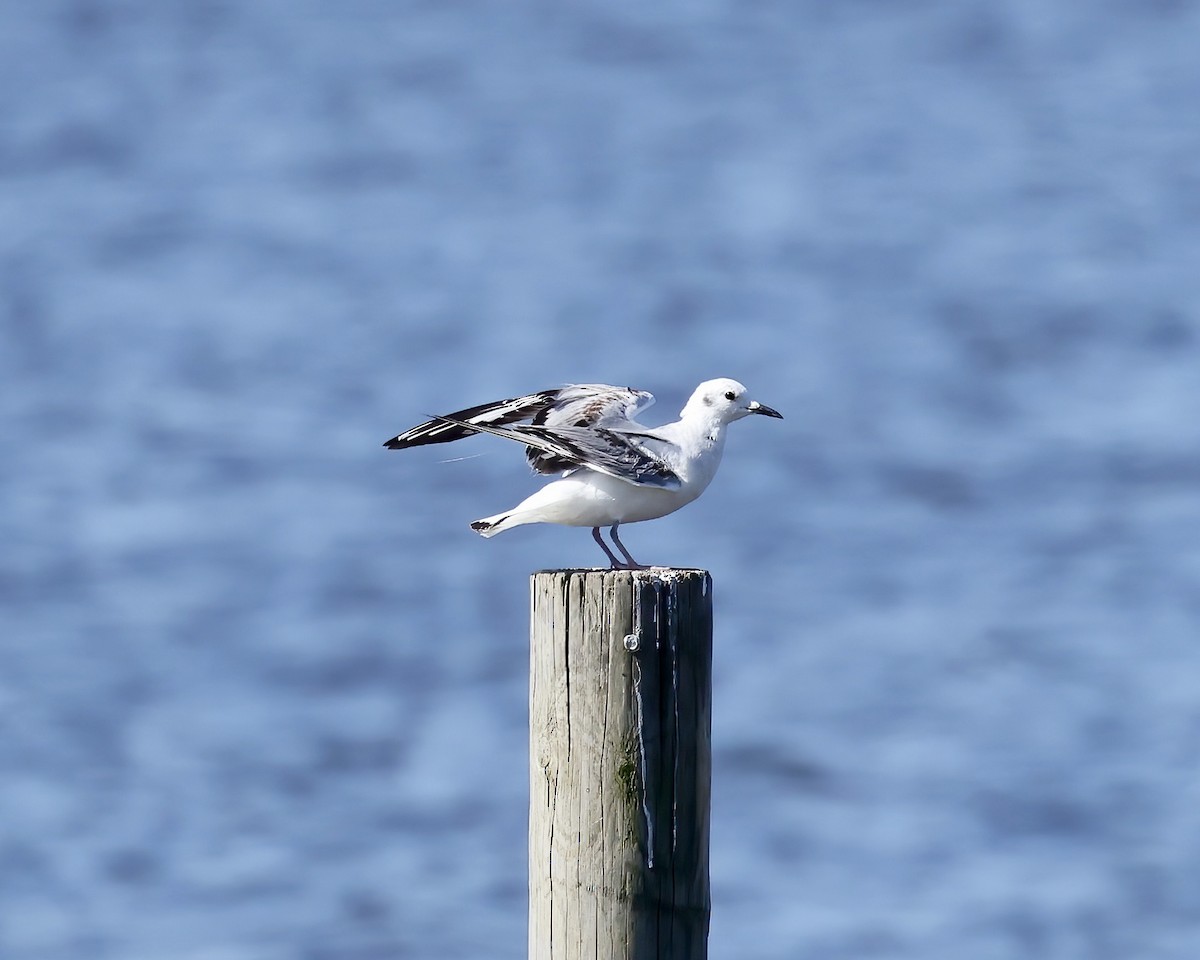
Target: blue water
[{"x": 262, "y": 691}]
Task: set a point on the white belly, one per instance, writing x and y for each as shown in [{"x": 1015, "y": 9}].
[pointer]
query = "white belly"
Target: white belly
[{"x": 589, "y": 499}]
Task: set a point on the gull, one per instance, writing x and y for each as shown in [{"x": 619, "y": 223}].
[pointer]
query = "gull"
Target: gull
[{"x": 613, "y": 469}]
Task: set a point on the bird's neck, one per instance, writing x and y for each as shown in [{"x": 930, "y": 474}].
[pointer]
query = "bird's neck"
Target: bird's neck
[
  {"x": 700, "y": 419},
  {"x": 706, "y": 436}
]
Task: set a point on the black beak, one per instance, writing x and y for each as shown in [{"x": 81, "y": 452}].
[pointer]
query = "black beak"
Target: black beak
[{"x": 756, "y": 407}]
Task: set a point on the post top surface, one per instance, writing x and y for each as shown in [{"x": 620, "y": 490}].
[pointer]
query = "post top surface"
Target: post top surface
[{"x": 662, "y": 573}]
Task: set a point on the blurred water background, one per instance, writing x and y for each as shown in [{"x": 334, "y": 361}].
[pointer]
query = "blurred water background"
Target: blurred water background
[{"x": 262, "y": 692}]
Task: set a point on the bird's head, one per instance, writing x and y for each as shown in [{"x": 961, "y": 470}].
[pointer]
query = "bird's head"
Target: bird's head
[{"x": 725, "y": 400}]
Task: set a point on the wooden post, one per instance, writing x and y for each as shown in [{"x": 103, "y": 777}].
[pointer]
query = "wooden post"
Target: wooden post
[{"x": 619, "y": 764}]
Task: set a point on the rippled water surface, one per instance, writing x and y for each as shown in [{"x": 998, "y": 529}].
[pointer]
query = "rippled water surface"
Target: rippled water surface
[{"x": 263, "y": 691}]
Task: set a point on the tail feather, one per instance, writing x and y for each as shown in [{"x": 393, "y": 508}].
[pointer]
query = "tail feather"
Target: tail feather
[{"x": 490, "y": 526}]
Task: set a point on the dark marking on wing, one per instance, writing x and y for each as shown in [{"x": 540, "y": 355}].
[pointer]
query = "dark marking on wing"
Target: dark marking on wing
[
  {"x": 500, "y": 412},
  {"x": 604, "y": 450},
  {"x": 585, "y": 406}
]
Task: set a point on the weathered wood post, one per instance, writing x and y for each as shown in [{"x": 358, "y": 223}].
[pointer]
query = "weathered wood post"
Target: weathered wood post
[{"x": 620, "y": 764}]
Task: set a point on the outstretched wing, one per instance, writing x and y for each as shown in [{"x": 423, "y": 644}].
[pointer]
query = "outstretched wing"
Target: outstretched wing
[
  {"x": 452, "y": 427},
  {"x": 580, "y": 405},
  {"x": 624, "y": 455}
]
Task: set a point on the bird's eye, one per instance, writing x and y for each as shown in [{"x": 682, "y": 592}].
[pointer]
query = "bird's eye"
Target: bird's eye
[{"x": 730, "y": 395}]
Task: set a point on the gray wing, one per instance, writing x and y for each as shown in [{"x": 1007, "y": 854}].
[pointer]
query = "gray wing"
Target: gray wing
[
  {"x": 581, "y": 405},
  {"x": 593, "y": 405},
  {"x": 626, "y": 455}
]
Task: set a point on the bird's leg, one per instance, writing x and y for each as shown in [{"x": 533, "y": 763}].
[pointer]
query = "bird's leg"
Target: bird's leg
[
  {"x": 633, "y": 564},
  {"x": 616, "y": 564}
]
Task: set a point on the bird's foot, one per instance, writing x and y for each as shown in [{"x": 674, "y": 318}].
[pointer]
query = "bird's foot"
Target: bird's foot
[{"x": 630, "y": 566}]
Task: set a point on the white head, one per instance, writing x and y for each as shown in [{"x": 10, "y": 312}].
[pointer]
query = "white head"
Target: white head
[{"x": 724, "y": 400}]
